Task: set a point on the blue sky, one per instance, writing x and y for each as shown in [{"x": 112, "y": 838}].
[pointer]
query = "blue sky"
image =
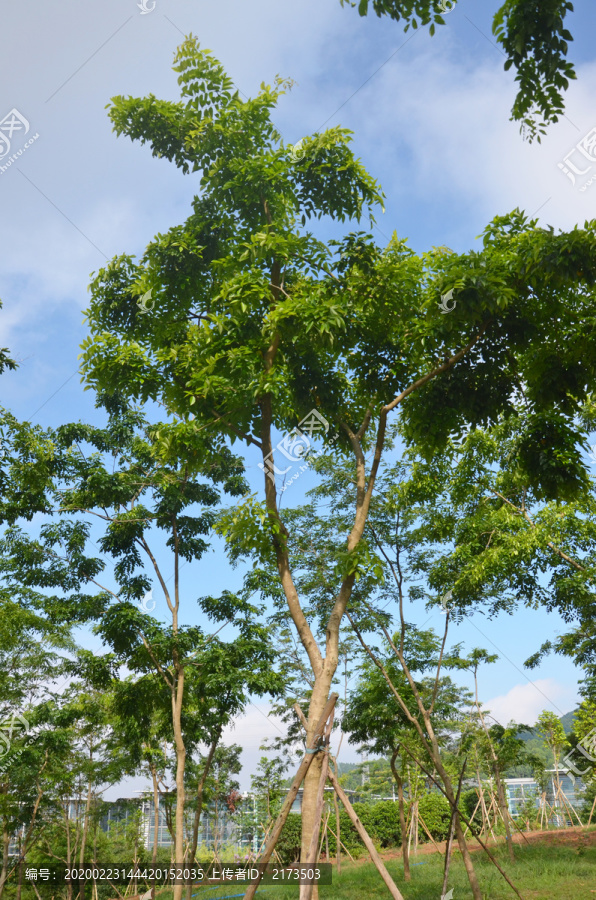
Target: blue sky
[{"x": 430, "y": 122}]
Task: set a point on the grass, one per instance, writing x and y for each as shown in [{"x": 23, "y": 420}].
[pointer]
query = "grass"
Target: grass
[{"x": 541, "y": 872}]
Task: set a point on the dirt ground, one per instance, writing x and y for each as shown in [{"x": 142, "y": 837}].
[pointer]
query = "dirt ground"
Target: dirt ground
[{"x": 574, "y": 837}]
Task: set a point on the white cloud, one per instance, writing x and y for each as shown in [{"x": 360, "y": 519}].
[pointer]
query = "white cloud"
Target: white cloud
[{"x": 524, "y": 702}]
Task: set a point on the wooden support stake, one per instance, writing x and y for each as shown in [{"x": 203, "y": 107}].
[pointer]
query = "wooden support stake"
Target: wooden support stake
[
  {"x": 340, "y": 843},
  {"x": 292, "y": 793},
  {"x": 472, "y": 817},
  {"x": 390, "y": 884},
  {"x": 423, "y": 823},
  {"x": 323, "y": 836}
]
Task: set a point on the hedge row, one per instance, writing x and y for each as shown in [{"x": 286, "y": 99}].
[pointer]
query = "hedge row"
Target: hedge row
[{"x": 381, "y": 821}]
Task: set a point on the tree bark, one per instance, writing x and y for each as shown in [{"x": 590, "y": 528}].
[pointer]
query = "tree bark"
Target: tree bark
[
  {"x": 177, "y": 696},
  {"x": 308, "y": 891},
  {"x": 5, "y": 846},
  {"x": 85, "y": 823},
  {"x": 155, "y": 823},
  {"x": 402, "y": 815}
]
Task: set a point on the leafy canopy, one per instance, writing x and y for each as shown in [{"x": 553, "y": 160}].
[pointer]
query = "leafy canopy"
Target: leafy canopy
[{"x": 534, "y": 39}]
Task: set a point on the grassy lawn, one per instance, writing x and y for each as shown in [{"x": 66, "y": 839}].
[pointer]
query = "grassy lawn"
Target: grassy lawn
[{"x": 542, "y": 872}]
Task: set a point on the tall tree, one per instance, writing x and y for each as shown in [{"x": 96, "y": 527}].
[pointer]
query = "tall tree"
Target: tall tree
[
  {"x": 534, "y": 39},
  {"x": 113, "y": 476},
  {"x": 256, "y": 323}
]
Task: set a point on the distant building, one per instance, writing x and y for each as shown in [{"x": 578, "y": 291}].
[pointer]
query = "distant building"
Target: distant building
[{"x": 524, "y": 791}]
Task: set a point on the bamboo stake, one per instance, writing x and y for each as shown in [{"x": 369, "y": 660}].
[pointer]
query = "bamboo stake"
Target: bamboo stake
[
  {"x": 337, "y": 825},
  {"x": 341, "y": 843},
  {"x": 472, "y": 817},
  {"x": 292, "y": 793},
  {"x": 323, "y": 836},
  {"x": 422, "y": 822},
  {"x": 591, "y": 812},
  {"x": 391, "y": 886},
  {"x": 568, "y": 805}
]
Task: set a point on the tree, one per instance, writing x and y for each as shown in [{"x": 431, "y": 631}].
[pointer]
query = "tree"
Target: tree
[
  {"x": 32, "y": 650},
  {"x": 472, "y": 664},
  {"x": 549, "y": 727},
  {"x": 257, "y": 324},
  {"x": 120, "y": 481},
  {"x": 534, "y": 39},
  {"x": 373, "y": 719}
]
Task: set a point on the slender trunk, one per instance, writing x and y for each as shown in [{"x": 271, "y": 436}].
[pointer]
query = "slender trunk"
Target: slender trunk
[
  {"x": 502, "y": 802},
  {"x": 199, "y": 807},
  {"x": 429, "y": 741},
  {"x": 177, "y": 696},
  {"x": 155, "y": 823},
  {"x": 85, "y": 825},
  {"x": 465, "y": 851},
  {"x": 402, "y": 815},
  {"x": 20, "y": 871},
  {"x": 504, "y": 811},
  {"x": 68, "y": 848},
  {"x": 5, "y": 845}
]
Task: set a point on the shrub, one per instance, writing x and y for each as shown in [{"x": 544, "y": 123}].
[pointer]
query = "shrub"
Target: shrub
[
  {"x": 288, "y": 845},
  {"x": 381, "y": 821},
  {"x": 436, "y": 812}
]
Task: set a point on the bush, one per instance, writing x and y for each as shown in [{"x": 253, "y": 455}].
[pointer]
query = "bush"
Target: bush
[
  {"x": 468, "y": 802},
  {"x": 381, "y": 821},
  {"x": 436, "y": 812},
  {"x": 288, "y": 845}
]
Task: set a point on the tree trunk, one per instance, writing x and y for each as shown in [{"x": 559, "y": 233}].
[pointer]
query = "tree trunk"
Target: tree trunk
[
  {"x": 199, "y": 807},
  {"x": 402, "y": 816},
  {"x": 177, "y": 696},
  {"x": 155, "y": 823},
  {"x": 504, "y": 811},
  {"x": 319, "y": 698},
  {"x": 66, "y": 811},
  {"x": 292, "y": 793},
  {"x": 85, "y": 826},
  {"x": 5, "y": 845},
  {"x": 461, "y": 840},
  {"x": 20, "y": 873}
]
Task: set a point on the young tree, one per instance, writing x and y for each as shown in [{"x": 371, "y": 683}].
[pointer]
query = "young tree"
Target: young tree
[
  {"x": 534, "y": 39},
  {"x": 549, "y": 727},
  {"x": 256, "y": 324},
  {"x": 472, "y": 664},
  {"x": 374, "y": 721},
  {"x": 32, "y": 653},
  {"x": 119, "y": 480}
]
